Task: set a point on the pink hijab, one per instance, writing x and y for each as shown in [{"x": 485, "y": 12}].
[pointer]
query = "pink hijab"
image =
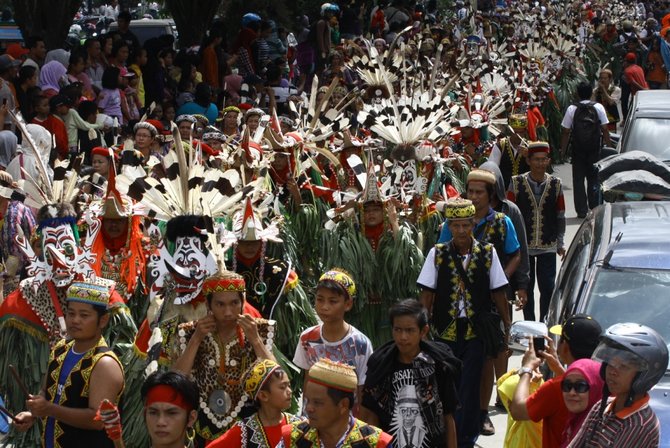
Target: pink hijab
[{"x": 591, "y": 371}]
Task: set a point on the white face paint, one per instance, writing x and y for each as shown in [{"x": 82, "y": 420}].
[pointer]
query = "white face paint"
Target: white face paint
[
  {"x": 189, "y": 267},
  {"x": 60, "y": 252}
]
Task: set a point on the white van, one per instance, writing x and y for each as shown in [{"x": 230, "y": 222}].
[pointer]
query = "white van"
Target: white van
[{"x": 146, "y": 29}]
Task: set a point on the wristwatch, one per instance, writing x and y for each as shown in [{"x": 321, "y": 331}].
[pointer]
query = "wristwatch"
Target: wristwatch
[{"x": 523, "y": 370}]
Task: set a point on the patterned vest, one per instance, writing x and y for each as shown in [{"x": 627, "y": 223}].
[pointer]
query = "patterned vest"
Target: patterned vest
[
  {"x": 75, "y": 394},
  {"x": 451, "y": 288},
  {"x": 510, "y": 164},
  {"x": 361, "y": 435},
  {"x": 494, "y": 232},
  {"x": 540, "y": 217}
]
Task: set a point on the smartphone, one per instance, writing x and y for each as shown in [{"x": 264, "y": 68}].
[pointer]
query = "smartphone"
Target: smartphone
[
  {"x": 4, "y": 101},
  {"x": 538, "y": 344}
]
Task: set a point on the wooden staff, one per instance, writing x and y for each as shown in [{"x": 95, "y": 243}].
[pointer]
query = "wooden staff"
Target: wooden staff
[{"x": 18, "y": 379}]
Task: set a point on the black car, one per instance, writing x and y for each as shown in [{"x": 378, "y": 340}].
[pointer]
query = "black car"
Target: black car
[{"x": 617, "y": 269}]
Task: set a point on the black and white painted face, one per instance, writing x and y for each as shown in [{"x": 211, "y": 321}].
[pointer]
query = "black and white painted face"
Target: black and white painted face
[
  {"x": 60, "y": 252},
  {"x": 189, "y": 267}
]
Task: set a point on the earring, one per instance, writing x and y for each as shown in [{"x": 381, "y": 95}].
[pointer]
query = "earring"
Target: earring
[{"x": 190, "y": 437}]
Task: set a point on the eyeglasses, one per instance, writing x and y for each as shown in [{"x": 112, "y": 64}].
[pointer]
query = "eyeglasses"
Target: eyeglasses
[{"x": 580, "y": 387}]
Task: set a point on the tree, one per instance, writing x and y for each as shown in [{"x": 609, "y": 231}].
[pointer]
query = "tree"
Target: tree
[
  {"x": 43, "y": 18},
  {"x": 192, "y": 18}
]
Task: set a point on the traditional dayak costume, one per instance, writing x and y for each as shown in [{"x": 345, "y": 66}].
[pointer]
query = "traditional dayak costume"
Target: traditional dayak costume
[
  {"x": 358, "y": 435},
  {"x": 69, "y": 373},
  {"x": 219, "y": 369}
]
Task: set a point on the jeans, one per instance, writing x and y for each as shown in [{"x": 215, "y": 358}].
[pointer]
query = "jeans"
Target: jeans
[
  {"x": 583, "y": 170},
  {"x": 471, "y": 354},
  {"x": 542, "y": 266}
]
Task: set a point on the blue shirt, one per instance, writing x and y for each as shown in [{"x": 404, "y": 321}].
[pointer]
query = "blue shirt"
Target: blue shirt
[
  {"x": 193, "y": 108},
  {"x": 71, "y": 360},
  {"x": 511, "y": 241}
]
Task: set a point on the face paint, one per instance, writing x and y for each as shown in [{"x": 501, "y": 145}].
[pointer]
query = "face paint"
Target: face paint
[
  {"x": 189, "y": 267},
  {"x": 61, "y": 252}
]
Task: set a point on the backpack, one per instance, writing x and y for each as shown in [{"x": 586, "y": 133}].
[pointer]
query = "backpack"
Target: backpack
[{"x": 586, "y": 132}]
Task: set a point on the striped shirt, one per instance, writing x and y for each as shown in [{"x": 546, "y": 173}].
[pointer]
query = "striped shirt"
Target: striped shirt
[{"x": 635, "y": 426}]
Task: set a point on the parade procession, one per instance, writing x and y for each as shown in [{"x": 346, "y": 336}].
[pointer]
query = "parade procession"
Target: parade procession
[{"x": 359, "y": 224}]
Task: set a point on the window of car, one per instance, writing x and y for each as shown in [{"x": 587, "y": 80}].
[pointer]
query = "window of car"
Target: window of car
[
  {"x": 631, "y": 295},
  {"x": 650, "y": 135},
  {"x": 576, "y": 264}
]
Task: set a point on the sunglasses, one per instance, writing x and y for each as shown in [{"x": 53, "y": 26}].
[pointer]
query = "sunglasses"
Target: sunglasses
[{"x": 580, "y": 387}]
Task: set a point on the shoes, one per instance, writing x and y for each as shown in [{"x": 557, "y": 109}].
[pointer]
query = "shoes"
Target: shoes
[{"x": 487, "y": 428}]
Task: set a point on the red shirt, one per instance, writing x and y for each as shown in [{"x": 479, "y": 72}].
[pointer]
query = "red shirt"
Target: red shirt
[
  {"x": 547, "y": 404},
  {"x": 233, "y": 437},
  {"x": 56, "y": 127},
  {"x": 635, "y": 73}
]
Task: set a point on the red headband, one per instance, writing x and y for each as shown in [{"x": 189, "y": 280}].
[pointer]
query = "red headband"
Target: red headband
[{"x": 167, "y": 394}]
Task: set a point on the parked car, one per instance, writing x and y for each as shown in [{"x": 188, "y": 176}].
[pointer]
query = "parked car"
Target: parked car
[
  {"x": 647, "y": 126},
  {"x": 146, "y": 29},
  {"x": 617, "y": 269}
]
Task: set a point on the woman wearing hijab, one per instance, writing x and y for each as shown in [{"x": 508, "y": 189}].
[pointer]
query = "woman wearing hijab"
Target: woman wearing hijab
[
  {"x": 582, "y": 387},
  {"x": 8, "y": 143},
  {"x": 51, "y": 75}
]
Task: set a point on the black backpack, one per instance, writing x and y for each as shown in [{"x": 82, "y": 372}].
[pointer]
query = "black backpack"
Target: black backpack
[{"x": 586, "y": 132}]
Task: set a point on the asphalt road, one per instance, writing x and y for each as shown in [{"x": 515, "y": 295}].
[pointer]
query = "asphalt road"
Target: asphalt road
[{"x": 499, "y": 418}]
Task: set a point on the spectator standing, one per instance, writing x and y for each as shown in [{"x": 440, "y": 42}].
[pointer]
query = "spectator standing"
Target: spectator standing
[
  {"x": 52, "y": 76},
  {"x": 123, "y": 21},
  {"x": 635, "y": 358},
  {"x": 8, "y": 70},
  {"x": 581, "y": 122},
  {"x": 609, "y": 95},
  {"x": 138, "y": 59},
  {"x": 656, "y": 73},
  {"x": 579, "y": 338},
  {"x": 201, "y": 104},
  {"x": 109, "y": 100},
  {"x": 209, "y": 59},
  {"x": 26, "y": 83},
  {"x": 37, "y": 50},
  {"x": 45, "y": 118},
  {"x": 95, "y": 64},
  {"x": 634, "y": 74}
]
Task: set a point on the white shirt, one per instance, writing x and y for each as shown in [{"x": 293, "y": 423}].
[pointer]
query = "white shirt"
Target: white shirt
[
  {"x": 570, "y": 114},
  {"x": 429, "y": 271}
]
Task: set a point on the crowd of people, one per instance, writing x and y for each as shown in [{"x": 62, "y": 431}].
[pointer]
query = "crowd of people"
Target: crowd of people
[{"x": 314, "y": 235}]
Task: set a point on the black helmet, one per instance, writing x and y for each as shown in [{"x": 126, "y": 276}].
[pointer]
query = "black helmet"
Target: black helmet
[{"x": 638, "y": 345}]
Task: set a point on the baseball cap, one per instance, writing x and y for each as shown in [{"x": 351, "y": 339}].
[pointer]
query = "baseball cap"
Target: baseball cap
[
  {"x": 16, "y": 50},
  {"x": 6, "y": 62},
  {"x": 630, "y": 57},
  {"x": 581, "y": 332}
]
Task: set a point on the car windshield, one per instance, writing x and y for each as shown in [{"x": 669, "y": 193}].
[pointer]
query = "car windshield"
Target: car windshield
[
  {"x": 650, "y": 135},
  {"x": 631, "y": 295}
]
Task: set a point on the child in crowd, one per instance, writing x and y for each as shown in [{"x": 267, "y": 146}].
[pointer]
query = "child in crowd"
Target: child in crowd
[
  {"x": 45, "y": 118},
  {"x": 334, "y": 338},
  {"x": 269, "y": 387},
  {"x": 109, "y": 100},
  {"x": 62, "y": 105},
  {"x": 410, "y": 387}
]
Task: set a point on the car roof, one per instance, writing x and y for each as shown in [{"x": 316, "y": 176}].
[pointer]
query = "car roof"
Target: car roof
[
  {"x": 645, "y": 241},
  {"x": 651, "y": 102}
]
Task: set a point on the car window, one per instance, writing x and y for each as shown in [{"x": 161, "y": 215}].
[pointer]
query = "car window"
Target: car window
[
  {"x": 145, "y": 33},
  {"x": 631, "y": 295},
  {"x": 576, "y": 264},
  {"x": 650, "y": 135}
]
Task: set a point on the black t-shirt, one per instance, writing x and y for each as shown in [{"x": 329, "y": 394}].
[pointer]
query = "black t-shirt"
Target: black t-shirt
[{"x": 406, "y": 423}]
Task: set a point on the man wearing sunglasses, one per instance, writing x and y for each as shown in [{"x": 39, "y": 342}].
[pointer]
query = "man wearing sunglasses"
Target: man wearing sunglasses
[{"x": 579, "y": 337}]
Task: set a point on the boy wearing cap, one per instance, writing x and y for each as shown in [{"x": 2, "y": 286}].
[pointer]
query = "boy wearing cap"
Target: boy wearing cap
[
  {"x": 579, "y": 338},
  {"x": 329, "y": 393},
  {"x": 83, "y": 371},
  {"x": 334, "y": 339},
  {"x": 539, "y": 196},
  {"x": 269, "y": 388}
]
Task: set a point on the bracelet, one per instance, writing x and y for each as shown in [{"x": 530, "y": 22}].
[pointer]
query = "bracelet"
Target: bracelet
[{"x": 523, "y": 370}]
